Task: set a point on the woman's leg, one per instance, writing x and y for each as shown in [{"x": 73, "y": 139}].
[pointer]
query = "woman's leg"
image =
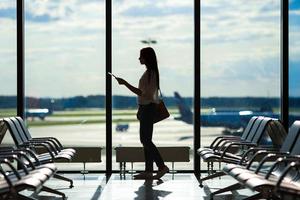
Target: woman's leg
[
  {"x": 148, "y": 160},
  {"x": 146, "y": 131},
  {"x": 151, "y": 153}
]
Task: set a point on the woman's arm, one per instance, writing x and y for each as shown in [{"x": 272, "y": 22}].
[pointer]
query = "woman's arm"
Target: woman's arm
[{"x": 133, "y": 89}]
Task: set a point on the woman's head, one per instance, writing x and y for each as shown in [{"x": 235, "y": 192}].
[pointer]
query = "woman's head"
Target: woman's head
[{"x": 148, "y": 57}]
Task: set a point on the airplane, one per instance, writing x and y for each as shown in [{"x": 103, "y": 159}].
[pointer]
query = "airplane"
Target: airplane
[
  {"x": 40, "y": 113},
  {"x": 232, "y": 120}
]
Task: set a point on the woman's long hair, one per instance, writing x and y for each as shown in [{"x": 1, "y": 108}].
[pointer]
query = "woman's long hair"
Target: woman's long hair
[{"x": 149, "y": 55}]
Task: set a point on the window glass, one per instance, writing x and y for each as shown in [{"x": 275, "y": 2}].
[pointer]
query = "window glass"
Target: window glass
[
  {"x": 167, "y": 27},
  {"x": 240, "y": 64},
  {"x": 8, "y": 62},
  {"x": 65, "y": 73},
  {"x": 294, "y": 61}
]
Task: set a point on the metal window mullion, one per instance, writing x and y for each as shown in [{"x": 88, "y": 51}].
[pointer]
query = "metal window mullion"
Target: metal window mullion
[
  {"x": 20, "y": 58},
  {"x": 197, "y": 134},
  {"x": 284, "y": 63},
  {"x": 108, "y": 96}
]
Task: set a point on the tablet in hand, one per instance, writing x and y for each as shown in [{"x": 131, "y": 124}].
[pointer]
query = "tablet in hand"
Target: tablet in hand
[{"x": 112, "y": 74}]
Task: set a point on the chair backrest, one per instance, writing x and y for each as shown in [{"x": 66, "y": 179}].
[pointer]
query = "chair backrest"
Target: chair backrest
[
  {"x": 295, "y": 129},
  {"x": 278, "y": 135},
  {"x": 261, "y": 129},
  {"x": 291, "y": 138},
  {"x": 254, "y": 129},
  {"x": 248, "y": 128},
  {"x": 3, "y": 129},
  {"x": 13, "y": 131},
  {"x": 19, "y": 129},
  {"x": 24, "y": 128}
]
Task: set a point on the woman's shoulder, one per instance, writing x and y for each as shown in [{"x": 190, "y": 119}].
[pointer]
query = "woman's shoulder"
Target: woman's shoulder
[
  {"x": 151, "y": 72},
  {"x": 144, "y": 74},
  {"x": 148, "y": 74}
]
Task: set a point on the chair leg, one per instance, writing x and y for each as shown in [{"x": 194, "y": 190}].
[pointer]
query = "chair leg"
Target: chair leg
[
  {"x": 64, "y": 179},
  {"x": 50, "y": 190},
  {"x": 217, "y": 174},
  {"x": 235, "y": 186},
  {"x": 208, "y": 167}
]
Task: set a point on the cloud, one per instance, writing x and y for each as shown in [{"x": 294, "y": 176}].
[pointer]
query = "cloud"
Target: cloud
[
  {"x": 239, "y": 45},
  {"x": 5, "y": 4}
]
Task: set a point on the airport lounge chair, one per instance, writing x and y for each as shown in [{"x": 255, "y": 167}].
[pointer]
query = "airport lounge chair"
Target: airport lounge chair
[
  {"x": 53, "y": 143},
  {"x": 218, "y": 141},
  {"x": 59, "y": 147},
  {"x": 224, "y": 152},
  {"x": 15, "y": 181},
  {"x": 257, "y": 131},
  {"x": 50, "y": 156},
  {"x": 217, "y": 146},
  {"x": 253, "y": 177},
  {"x": 28, "y": 157},
  {"x": 21, "y": 140},
  {"x": 266, "y": 184}
]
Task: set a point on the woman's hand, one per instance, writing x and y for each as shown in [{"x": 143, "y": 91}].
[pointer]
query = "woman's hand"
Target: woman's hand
[
  {"x": 121, "y": 81},
  {"x": 133, "y": 89}
]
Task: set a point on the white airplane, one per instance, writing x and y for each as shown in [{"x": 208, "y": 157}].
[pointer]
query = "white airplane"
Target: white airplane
[{"x": 40, "y": 113}]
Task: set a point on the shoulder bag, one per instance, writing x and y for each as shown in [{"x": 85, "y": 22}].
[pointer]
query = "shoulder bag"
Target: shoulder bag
[{"x": 161, "y": 111}]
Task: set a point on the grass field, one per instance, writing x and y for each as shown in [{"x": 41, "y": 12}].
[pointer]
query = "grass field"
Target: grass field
[
  {"x": 96, "y": 115},
  {"x": 81, "y": 116}
]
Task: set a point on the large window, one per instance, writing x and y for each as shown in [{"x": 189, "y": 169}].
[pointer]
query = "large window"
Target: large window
[
  {"x": 65, "y": 68},
  {"x": 65, "y": 72},
  {"x": 167, "y": 26},
  {"x": 8, "y": 61},
  {"x": 240, "y": 64},
  {"x": 294, "y": 59}
]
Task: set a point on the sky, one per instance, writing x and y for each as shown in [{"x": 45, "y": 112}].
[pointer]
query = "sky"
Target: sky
[{"x": 65, "y": 46}]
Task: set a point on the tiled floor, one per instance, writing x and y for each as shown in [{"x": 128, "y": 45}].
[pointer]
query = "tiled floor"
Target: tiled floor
[
  {"x": 178, "y": 186},
  {"x": 181, "y": 186}
]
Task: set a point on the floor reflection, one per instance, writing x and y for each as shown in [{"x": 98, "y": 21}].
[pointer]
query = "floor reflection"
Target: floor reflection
[{"x": 148, "y": 192}]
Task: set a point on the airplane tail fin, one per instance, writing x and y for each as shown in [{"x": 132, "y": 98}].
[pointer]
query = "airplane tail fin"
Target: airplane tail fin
[{"x": 186, "y": 114}]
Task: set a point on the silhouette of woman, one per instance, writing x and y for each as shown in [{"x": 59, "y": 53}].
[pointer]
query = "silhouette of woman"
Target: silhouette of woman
[{"x": 147, "y": 93}]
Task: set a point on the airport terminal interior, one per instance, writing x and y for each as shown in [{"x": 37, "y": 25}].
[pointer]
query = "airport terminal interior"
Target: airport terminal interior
[{"x": 228, "y": 76}]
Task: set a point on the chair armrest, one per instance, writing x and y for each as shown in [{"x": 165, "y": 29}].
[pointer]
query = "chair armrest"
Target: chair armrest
[
  {"x": 284, "y": 173},
  {"x": 280, "y": 160},
  {"x": 241, "y": 143},
  {"x": 26, "y": 150},
  {"x": 9, "y": 164},
  {"x": 259, "y": 153},
  {"x": 251, "y": 150},
  {"x": 261, "y": 150},
  {"x": 57, "y": 146},
  {"x": 51, "y": 147},
  {"x": 41, "y": 145},
  {"x": 237, "y": 144},
  {"x": 217, "y": 140},
  {"x": 222, "y": 143},
  {"x": 14, "y": 157},
  {"x": 268, "y": 158},
  {"x": 32, "y": 154},
  {"x": 6, "y": 178},
  {"x": 18, "y": 153}
]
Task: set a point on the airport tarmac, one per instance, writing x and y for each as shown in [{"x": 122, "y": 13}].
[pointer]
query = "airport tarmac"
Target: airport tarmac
[{"x": 166, "y": 133}]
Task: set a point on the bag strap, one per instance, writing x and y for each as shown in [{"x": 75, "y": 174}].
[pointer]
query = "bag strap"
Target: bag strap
[{"x": 160, "y": 93}]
